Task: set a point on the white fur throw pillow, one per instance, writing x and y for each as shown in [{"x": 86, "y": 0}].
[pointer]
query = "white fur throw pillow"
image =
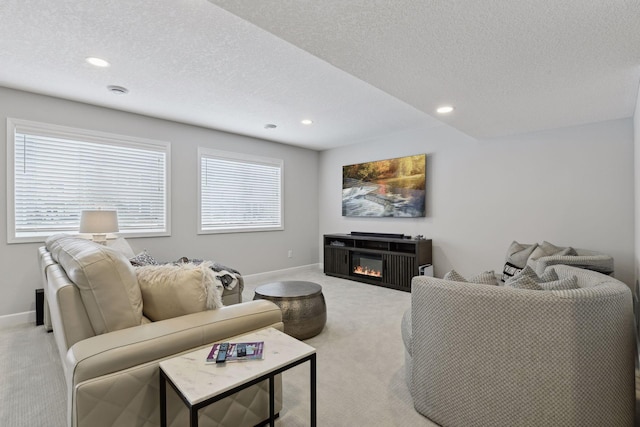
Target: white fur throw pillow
[{"x": 173, "y": 290}]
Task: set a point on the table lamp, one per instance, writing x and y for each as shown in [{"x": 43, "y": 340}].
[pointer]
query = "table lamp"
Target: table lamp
[{"x": 99, "y": 222}]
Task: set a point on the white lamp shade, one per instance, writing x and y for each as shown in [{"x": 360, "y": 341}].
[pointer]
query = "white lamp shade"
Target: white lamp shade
[{"x": 99, "y": 221}]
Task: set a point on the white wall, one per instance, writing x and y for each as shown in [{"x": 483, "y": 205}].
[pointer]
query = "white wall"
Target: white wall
[
  {"x": 571, "y": 187},
  {"x": 248, "y": 252},
  {"x": 636, "y": 144}
]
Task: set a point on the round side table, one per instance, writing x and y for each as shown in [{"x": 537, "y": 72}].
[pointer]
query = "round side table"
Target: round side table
[{"x": 304, "y": 312}]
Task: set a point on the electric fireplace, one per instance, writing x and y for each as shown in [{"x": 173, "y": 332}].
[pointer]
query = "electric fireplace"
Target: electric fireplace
[{"x": 366, "y": 265}]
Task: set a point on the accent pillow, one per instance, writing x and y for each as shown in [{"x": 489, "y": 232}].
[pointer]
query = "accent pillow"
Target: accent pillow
[
  {"x": 561, "y": 285},
  {"x": 548, "y": 249},
  {"x": 529, "y": 280},
  {"x": 172, "y": 290},
  {"x": 523, "y": 282},
  {"x": 122, "y": 246},
  {"x": 547, "y": 276},
  {"x": 516, "y": 259},
  {"x": 142, "y": 259},
  {"x": 484, "y": 278},
  {"x": 454, "y": 276}
]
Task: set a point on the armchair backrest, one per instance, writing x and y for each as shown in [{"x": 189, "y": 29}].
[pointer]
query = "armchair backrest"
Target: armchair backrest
[{"x": 494, "y": 355}]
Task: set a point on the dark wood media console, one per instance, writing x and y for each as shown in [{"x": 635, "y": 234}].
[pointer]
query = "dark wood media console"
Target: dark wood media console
[{"x": 381, "y": 261}]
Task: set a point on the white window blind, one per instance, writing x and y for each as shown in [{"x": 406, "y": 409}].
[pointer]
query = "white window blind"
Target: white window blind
[
  {"x": 239, "y": 192},
  {"x": 58, "y": 172}
]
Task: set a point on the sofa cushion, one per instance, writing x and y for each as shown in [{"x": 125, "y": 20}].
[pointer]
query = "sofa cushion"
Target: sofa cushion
[
  {"x": 173, "y": 290},
  {"x": 516, "y": 259},
  {"x": 106, "y": 281}
]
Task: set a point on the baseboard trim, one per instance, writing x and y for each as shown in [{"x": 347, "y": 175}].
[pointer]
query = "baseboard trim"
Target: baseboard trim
[
  {"x": 260, "y": 277},
  {"x": 10, "y": 320}
]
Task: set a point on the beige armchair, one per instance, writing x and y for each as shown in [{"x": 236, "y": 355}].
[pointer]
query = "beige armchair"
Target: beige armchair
[{"x": 481, "y": 355}]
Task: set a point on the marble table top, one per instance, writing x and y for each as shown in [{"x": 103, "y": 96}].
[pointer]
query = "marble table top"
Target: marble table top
[{"x": 198, "y": 380}]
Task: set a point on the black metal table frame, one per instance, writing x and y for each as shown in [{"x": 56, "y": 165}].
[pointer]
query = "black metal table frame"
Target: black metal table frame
[{"x": 193, "y": 409}]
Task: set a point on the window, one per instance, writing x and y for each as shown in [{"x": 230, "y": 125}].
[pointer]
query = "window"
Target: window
[
  {"x": 55, "y": 172},
  {"x": 239, "y": 192}
]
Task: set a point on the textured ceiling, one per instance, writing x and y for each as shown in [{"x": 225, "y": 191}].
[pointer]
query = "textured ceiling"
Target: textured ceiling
[
  {"x": 358, "y": 68},
  {"x": 507, "y": 66}
]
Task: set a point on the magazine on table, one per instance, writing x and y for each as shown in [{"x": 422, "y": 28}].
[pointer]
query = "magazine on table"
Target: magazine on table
[{"x": 238, "y": 351}]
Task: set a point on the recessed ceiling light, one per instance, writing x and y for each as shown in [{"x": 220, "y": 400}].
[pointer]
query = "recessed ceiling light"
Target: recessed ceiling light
[
  {"x": 445, "y": 109},
  {"x": 98, "y": 62},
  {"x": 270, "y": 126},
  {"x": 118, "y": 90},
  {"x": 306, "y": 122}
]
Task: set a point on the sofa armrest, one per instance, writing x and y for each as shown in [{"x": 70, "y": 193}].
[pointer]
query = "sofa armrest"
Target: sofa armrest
[{"x": 126, "y": 348}]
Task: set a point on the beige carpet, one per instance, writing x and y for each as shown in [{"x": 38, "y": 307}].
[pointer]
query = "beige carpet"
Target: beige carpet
[
  {"x": 360, "y": 372},
  {"x": 360, "y": 368},
  {"x": 33, "y": 390}
]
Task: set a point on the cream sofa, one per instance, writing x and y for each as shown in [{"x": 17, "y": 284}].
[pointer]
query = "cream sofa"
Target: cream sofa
[
  {"x": 110, "y": 352},
  {"x": 482, "y": 355}
]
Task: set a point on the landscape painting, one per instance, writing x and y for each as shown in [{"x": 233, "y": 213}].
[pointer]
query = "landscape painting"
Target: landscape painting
[{"x": 385, "y": 188}]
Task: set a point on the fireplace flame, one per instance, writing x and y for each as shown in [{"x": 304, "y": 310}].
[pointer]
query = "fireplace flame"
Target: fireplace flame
[{"x": 366, "y": 271}]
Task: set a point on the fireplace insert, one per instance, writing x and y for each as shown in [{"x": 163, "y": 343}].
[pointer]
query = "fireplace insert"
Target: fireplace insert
[{"x": 366, "y": 265}]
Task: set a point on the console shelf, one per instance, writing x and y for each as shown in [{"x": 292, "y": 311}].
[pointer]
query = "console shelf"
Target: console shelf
[{"x": 381, "y": 261}]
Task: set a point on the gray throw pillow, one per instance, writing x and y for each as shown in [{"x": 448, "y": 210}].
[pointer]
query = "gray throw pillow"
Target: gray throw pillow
[
  {"x": 548, "y": 276},
  {"x": 548, "y": 249},
  {"x": 526, "y": 271},
  {"x": 561, "y": 285},
  {"x": 516, "y": 259},
  {"x": 142, "y": 259},
  {"x": 454, "y": 276},
  {"x": 484, "y": 278},
  {"x": 523, "y": 282}
]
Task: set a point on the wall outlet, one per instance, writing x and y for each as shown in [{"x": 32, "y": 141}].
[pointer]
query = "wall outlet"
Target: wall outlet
[{"x": 290, "y": 253}]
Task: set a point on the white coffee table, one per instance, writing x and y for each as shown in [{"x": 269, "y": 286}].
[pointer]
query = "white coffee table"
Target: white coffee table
[{"x": 200, "y": 384}]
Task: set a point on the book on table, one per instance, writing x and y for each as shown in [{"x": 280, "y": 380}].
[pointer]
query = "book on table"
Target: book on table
[{"x": 238, "y": 351}]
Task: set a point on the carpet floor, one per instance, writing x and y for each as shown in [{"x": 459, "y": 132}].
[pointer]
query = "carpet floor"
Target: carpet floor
[{"x": 360, "y": 363}]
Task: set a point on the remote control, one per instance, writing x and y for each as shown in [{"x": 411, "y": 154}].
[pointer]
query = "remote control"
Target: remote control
[
  {"x": 222, "y": 352},
  {"x": 241, "y": 350}
]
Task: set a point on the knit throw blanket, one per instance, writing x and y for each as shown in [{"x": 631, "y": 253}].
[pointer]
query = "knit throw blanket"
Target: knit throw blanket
[{"x": 227, "y": 276}]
